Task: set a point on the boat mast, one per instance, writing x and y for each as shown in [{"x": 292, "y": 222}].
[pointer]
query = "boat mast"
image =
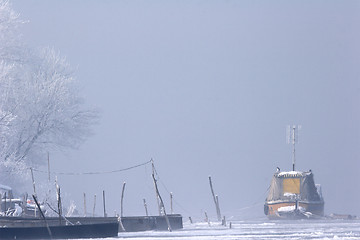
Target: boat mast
[{"x": 293, "y": 139}]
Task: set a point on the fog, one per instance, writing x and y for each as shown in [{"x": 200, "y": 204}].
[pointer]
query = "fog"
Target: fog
[{"x": 207, "y": 88}]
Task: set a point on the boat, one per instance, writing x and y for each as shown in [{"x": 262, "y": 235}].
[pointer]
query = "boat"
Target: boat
[
  {"x": 294, "y": 194},
  {"x": 54, "y": 228}
]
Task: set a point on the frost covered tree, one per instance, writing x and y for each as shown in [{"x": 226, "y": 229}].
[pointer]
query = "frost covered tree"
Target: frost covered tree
[{"x": 40, "y": 106}]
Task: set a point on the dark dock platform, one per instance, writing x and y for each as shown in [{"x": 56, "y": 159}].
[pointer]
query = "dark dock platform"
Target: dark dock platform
[{"x": 147, "y": 223}]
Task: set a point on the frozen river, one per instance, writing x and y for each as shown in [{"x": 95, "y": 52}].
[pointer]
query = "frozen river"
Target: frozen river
[{"x": 298, "y": 229}]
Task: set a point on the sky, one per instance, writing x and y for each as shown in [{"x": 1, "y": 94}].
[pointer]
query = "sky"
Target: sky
[{"x": 207, "y": 88}]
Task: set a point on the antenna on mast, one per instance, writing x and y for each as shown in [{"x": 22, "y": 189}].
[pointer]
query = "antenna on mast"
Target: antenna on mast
[{"x": 292, "y": 137}]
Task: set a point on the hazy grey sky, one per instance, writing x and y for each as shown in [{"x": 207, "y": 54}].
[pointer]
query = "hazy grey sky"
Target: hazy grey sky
[{"x": 207, "y": 88}]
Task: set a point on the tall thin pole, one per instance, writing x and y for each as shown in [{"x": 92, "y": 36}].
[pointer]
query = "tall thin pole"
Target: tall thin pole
[
  {"x": 171, "y": 203},
  {"x": 215, "y": 197},
  {"x": 43, "y": 216},
  {"x": 94, "y": 205},
  {"x": 105, "y": 215},
  {"x": 292, "y": 135},
  {"x": 293, "y": 142},
  {"x": 122, "y": 199},
  {"x": 33, "y": 180},
  {"x": 6, "y": 207},
  {"x": 48, "y": 166},
  {"x": 145, "y": 206},
  {"x": 84, "y": 204},
  {"x": 162, "y": 204},
  {"x": 59, "y": 204},
  {"x": 156, "y": 193}
]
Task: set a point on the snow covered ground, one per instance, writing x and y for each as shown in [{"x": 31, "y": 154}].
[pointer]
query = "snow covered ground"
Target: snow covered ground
[{"x": 299, "y": 229}]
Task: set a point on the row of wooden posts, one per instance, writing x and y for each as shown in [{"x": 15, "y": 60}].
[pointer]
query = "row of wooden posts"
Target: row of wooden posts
[
  {"x": 159, "y": 199},
  {"x": 160, "y": 202}
]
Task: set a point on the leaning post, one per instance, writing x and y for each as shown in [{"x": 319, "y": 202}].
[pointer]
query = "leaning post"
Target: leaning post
[{"x": 216, "y": 200}]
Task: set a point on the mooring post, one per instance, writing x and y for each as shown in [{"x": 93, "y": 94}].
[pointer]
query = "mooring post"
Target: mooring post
[
  {"x": 223, "y": 222},
  {"x": 207, "y": 218},
  {"x": 122, "y": 199},
  {"x": 10, "y": 201},
  {"x": 58, "y": 196},
  {"x": 156, "y": 193},
  {"x": 216, "y": 200},
  {"x": 43, "y": 216},
  {"x": 162, "y": 204},
  {"x": 94, "y": 205},
  {"x": 105, "y": 215},
  {"x": 59, "y": 203},
  {"x": 84, "y": 204},
  {"x": 171, "y": 203},
  {"x": 218, "y": 207},
  {"x": 5, "y": 210},
  {"x": 25, "y": 201},
  {"x": 48, "y": 159},
  {"x": 145, "y": 205},
  {"x": 33, "y": 180}
]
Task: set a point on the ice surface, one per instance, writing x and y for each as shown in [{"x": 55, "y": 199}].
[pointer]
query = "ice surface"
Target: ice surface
[{"x": 265, "y": 229}]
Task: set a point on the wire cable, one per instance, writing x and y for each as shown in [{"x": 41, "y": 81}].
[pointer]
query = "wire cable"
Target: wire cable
[{"x": 94, "y": 173}]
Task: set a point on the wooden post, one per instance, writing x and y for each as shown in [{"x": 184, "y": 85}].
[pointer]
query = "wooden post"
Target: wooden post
[
  {"x": 122, "y": 199},
  {"x": 59, "y": 203},
  {"x": 162, "y": 203},
  {"x": 10, "y": 201},
  {"x": 223, "y": 221},
  {"x": 5, "y": 210},
  {"x": 145, "y": 205},
  {"x": 157, "y": 196},
  {"x": 43, "y": 216},
  {"x": 215, "y": 200},
  {"x": 84, "y": 204},
  {"x": 94, "y": 205},
  {"x": 218, "y": 206},
  {"x": 58, "y": 196},
  {"x": 207, "y": 218},
  {"x": 48, "y": 166},
  {"x": 171, "y": 203},
  {"x": 105, "y": 215},
  {"x": 23, "y": 205},
  {"x": 33, "y": 180}
]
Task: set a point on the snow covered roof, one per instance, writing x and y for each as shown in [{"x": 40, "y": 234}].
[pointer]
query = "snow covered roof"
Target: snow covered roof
[{"x": 292, "y": 174}]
